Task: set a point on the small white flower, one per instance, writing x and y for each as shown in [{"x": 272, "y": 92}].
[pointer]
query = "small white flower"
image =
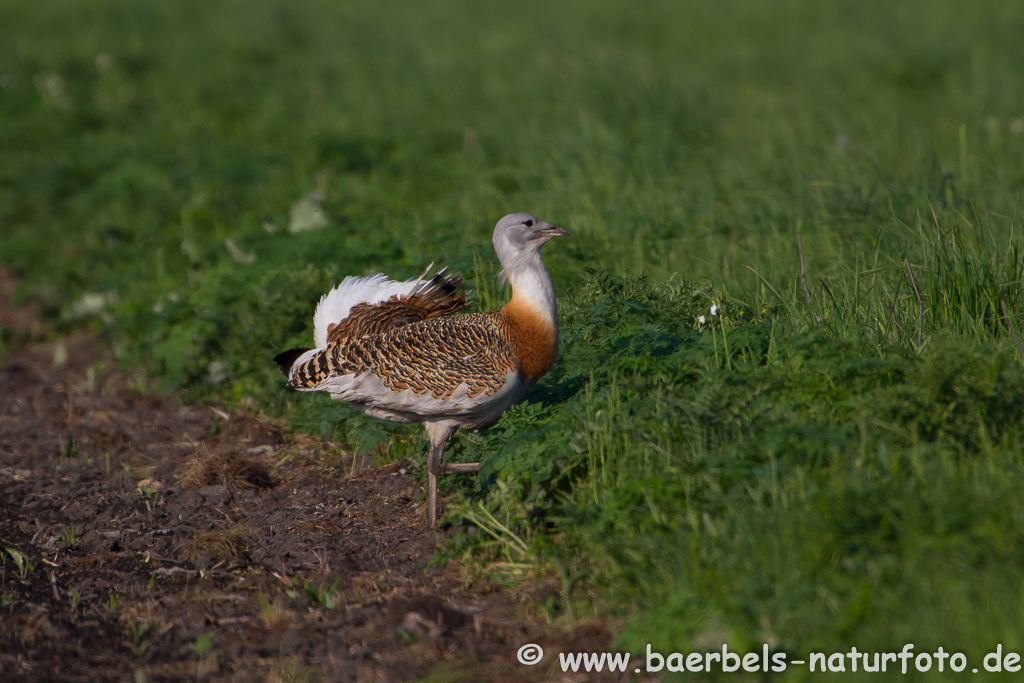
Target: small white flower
[
  {"x": 714, "y": 309},
  {"x": 700, "y": 320}
]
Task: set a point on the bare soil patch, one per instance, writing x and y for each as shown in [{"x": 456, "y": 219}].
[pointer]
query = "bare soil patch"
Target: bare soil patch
[{"x": 171, "y": 542}]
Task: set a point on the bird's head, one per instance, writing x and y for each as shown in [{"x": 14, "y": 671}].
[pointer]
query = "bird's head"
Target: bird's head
[{"x": 518, "y": 235}]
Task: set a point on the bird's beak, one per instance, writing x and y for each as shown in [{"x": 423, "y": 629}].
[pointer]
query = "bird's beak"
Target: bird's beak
[{"x": 549, "y": 231}]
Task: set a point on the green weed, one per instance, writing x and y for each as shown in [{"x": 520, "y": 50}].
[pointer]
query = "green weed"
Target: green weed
[
  {"x": 138, "y": 644},
  {"x": 69, "y": 449},
  {"x": 69, "y": 534},
  {"x": 21, "y": 561},
  {"x": 204, "y": 642},
  {"x": 323, "y": 596},
  {"x": 145, "y": 492}
]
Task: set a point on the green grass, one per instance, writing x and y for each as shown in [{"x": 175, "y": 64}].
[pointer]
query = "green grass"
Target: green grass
[{"x": 815, "y": 467}]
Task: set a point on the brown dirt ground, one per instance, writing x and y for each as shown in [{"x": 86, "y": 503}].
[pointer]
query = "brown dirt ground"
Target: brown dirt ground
[{"x": 170, "y": 542}]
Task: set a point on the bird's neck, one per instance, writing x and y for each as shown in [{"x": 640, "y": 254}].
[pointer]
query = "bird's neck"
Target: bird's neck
[{"x": 532, "y": 315}]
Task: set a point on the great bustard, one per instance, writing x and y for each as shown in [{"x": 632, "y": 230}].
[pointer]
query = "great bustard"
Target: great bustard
[{"x": 391, "y": 349}]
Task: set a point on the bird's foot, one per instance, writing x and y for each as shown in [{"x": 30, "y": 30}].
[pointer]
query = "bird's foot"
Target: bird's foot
[
  {"x": 435, "y": 468},
  {"x": 458, "y": 467}
]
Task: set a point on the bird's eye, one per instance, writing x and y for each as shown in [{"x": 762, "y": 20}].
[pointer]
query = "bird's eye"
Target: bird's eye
[{"x": 528, "y": 223}]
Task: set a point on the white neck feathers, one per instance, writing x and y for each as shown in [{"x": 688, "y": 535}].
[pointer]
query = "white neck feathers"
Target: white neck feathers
[{"x": 531, "y": 287}]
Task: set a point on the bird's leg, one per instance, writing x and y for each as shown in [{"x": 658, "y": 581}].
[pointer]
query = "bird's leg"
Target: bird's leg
[
  {"x": 436, "y": 466},
  {"x": 434, "y": 463},
  {"x": 439, "y": 435}
]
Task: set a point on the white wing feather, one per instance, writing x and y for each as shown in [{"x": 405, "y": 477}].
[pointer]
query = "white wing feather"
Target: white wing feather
[{"x": 335, "y": 305}]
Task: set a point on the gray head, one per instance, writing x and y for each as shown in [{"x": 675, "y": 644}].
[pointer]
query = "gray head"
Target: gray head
[{"x": 518, "y": 237}]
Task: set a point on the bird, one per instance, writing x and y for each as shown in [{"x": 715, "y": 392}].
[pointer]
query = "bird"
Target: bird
[{"x": 407, "y": 351}]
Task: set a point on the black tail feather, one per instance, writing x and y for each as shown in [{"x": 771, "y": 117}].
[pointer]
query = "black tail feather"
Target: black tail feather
[
  {"x": 441, "y": 285},
  {"x": 450, "y": 283},
  {"x": 287, "y": 358}
]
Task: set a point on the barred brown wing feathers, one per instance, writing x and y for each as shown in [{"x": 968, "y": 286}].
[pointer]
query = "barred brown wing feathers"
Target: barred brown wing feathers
[
  {"x": 435, "y": 297},
  {"x": 433, "y": 356}
]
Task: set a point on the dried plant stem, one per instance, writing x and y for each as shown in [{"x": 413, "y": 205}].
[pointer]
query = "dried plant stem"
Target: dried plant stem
[
  {"x": 920, "y": 305},
  {"x": 803, "y": 279},
  {"x": 1013, "y": 332},
  {"x": 803, "y": 272}
]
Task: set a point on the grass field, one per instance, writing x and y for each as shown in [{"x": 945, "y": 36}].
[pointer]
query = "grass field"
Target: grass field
[{"x": 830, "y": 461}]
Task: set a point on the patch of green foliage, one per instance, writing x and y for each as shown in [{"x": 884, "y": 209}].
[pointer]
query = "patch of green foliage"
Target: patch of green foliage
[
  {"x": 139, "y": 643},
  {"x": 805, "y": 490},
  {"x": 831, "y": 459},
  {"x": 21, "y": 562},
  {"x": 322, "y": 595}
]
